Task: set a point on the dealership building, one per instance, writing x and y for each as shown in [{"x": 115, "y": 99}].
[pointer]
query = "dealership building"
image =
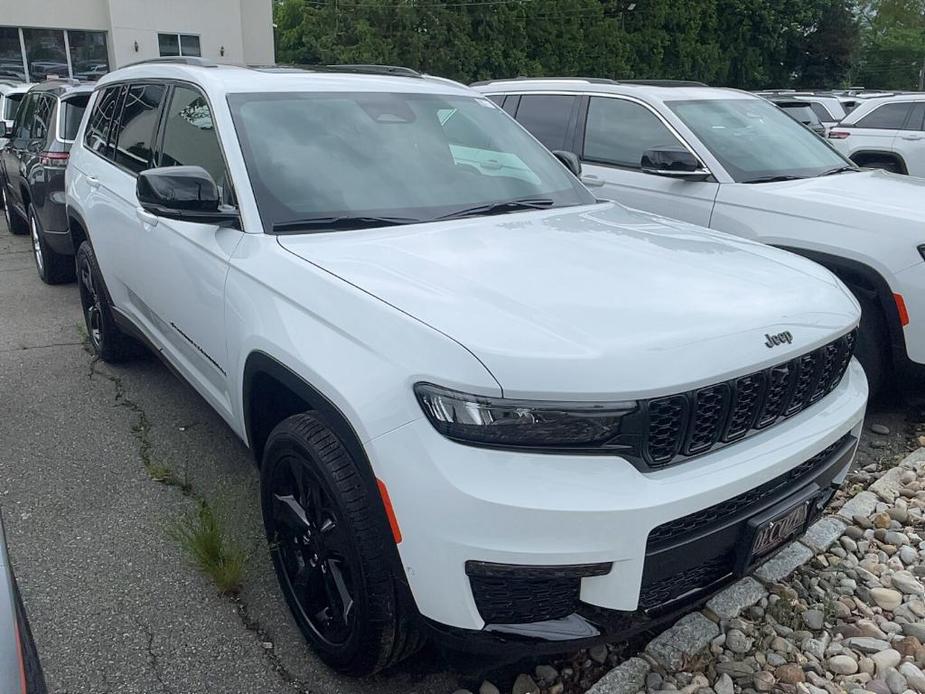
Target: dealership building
[{"x": 83, "y": 39}]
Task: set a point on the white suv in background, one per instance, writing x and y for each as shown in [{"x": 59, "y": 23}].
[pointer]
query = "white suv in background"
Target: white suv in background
[
  {"x": 885, "y": 133},
  {"x": 732, "y": 161},
  {"x": 485, "y": 405}
]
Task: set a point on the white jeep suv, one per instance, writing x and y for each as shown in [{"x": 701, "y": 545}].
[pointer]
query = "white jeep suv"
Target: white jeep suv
[
  {"x": 731, "y": 161},
  {"x": 485, "y": 405},
  {"x": 885, "y": 133}
]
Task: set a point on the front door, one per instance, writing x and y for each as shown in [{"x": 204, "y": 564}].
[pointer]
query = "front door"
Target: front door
[
  {"x": 617, "y": 133},
  {"x": 910, "y": 141}
]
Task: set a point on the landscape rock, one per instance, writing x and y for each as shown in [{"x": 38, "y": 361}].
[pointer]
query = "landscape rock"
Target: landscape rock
[
  {"x": 627, "y": 678},
  {"x": 843, "y": 665},
  {"x": 730, "y": 602},
  {"x": 688, "y": 637},
  {"x": 886, "y": 598}
]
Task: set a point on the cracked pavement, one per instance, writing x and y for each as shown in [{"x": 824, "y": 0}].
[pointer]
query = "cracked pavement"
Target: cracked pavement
[{"x": 114, "y": 604}]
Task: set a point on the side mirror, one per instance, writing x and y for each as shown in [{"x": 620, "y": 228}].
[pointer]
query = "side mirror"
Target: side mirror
[
  {"x": 571, "y": 161},
  {"x": 184, "y": 193},
  {"x": 673, "y": 162}
]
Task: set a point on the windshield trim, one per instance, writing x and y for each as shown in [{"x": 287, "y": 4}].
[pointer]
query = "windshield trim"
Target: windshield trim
[
  {"x": 711, "y": 157},
  {"x": 583, "y": 197}
]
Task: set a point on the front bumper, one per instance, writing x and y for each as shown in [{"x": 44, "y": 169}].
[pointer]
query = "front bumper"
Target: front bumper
[{"x": 460, "y": 507}]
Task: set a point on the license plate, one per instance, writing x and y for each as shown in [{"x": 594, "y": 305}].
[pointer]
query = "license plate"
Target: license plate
[{"x": 779, "y": 530}]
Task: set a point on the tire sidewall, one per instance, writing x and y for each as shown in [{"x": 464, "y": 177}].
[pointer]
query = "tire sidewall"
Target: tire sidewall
[
  {"x": 35, "y": 228},
  {"x": 279, "y": 447}
]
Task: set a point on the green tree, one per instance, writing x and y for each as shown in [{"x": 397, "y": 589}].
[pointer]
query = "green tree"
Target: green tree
[{"x": 893, "y": 44}]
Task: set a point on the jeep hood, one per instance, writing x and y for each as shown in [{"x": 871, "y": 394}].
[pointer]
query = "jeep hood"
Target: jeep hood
[{"x": 596, "y": 301}]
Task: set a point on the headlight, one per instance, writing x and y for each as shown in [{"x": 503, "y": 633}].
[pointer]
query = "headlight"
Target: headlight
[{"x": 521, "y": 423}]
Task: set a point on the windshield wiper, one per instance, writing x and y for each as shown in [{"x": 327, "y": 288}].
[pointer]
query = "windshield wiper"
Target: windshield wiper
[
  {"x": 500, "y": 208},
  {"x": 774, "y": 179},
  {"x": 341, "y": 223},
  {"x": 839, "y": 169}
]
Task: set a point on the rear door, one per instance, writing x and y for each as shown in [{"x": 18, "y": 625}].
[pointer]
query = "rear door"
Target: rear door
[
  {"x": 617, "y": 133},
  {"x": 17, "y": 150},
  {"x": 910, "y": 142}
]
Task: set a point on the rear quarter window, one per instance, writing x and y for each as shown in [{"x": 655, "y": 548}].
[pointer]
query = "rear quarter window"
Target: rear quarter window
[
  {"x": 71, "y": 112},
  {"x": 885, "y": 117}
]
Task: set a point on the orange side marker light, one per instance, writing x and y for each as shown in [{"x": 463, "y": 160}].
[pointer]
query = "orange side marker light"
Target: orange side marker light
[{"x": 389, "y": 511}]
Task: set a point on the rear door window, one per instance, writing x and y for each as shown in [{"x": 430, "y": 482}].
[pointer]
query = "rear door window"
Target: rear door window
[
  {"x": 547, "y": 117},
  {"x": 886, "y": 117},
  {"x": 138, "y": 125},
  {"x": 41, "y": 121},
  {"x": 917, "y": 119},
  {"x": 99, "y": 126},
  {"x": 24, "y": 117}
]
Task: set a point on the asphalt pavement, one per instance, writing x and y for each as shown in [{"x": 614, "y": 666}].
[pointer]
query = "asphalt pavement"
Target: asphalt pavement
[{"x": 115, "y": 606}]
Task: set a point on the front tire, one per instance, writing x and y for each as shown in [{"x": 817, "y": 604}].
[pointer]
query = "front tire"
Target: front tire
[
  {"x": 108, "y": 342},
  {"x": 328, "y": 540},
  {"x": 871, "y": 349},
  {"x": 53, "y": 268}
]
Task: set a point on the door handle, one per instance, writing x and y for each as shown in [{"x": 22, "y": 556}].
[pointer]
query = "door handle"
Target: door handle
[
  {"x": 911, "y": 137},
  {"x": 592, "y": 181},
  {"x": 145, "y": 217},
  {"x": 93, "y": 182}
]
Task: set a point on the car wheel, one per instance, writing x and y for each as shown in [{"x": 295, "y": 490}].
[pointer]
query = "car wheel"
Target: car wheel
[
  {"x": 327, "y": 535},
  {"x": 53, "y": 268},
  {"x": 108, "y": 342},
  {"x": 871, "y": 345},
  {"x": 14, "y": 222}
]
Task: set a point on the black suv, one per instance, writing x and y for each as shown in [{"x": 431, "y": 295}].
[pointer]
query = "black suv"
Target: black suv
[{"x": 32, "y": 173}]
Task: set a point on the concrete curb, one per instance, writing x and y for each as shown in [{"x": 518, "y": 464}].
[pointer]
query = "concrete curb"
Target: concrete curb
[{"x": 691, "y": 635}]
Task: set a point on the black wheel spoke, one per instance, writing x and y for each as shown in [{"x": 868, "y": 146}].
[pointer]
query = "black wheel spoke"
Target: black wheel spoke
[
  {"x": 346, "y": 601},
  {"x": 290, "y": 513}
]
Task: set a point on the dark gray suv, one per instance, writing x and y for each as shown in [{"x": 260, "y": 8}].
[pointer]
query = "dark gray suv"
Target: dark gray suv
[{"x": 32, "y": 173}]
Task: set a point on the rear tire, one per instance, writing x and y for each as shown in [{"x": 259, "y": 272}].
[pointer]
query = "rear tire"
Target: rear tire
[
  {"x": 16, "y": 224},
  {"x": 350, "y": 612},
  {"x": 872, "y": 346},
  {"x": 108, "y": 342},
  {"x": 53, "y": 268}
]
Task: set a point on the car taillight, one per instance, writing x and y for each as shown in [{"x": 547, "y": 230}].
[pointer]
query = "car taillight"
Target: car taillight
[
  {"x": 838, "y": 134},
  {"x": 58, "y": 159}
]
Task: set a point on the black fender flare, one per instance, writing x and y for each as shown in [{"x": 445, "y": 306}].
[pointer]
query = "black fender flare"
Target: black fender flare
[
  {"x": 865, "y": 281},
  {"x": 883, "y": 154}
]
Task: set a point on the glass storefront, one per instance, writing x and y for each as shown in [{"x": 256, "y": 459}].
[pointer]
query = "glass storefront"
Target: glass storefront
[{"x": 33, "y": 55}]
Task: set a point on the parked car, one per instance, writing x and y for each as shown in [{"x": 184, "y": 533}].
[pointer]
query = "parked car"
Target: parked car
[
  {"x": 885, "y": 133},
  {"x": 11, "y": 93},
  {"x": 801, "y": 111},
  {"x": 828, "y": 107},
  {"x": 486, "y": 406},
  {"x": 32, "y": 168},
  {"x": 731, "y": 161},
  {"x": 20, "y": 667}
]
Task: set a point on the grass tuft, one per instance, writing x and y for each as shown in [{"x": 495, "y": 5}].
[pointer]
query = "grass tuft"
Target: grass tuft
[{"x": 210, "y": 548}]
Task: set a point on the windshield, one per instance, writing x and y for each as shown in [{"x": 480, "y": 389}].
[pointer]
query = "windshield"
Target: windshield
[
  {"x": 753, "y": 139},
  {"x": 405, "y": 158},
  {"x": 10, "y": 104}
]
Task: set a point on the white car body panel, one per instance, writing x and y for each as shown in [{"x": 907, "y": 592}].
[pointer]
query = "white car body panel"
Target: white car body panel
[{"x": 588, "y": 303}]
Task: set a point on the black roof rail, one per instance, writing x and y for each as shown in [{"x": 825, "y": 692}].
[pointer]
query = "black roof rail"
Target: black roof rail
[
  {"x": 177, "y": 60},
  {"x": 521, "y": 78},
  {"x": 395, "y": 70},
  {"x": 665, "y": 83}
]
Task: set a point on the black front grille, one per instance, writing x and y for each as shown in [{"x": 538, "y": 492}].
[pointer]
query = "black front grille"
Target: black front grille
[
  {"x": 692, "y": 423},
  {"x": 682, "y": 528}
]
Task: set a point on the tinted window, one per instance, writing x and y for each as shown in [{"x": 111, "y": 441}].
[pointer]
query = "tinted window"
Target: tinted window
[
  {"x": 189, "y": 135},
  {"x": 23, "y": 125},
  {"x": 89, "y": 56},
  {"x": 10, "y": 104},
  {"x": 41, "y": 122},
  {"x": 97, "y": 134},
  {"x": 886, "y": 117},
  {"x": 11, "y": 65},
  {"x": 134, "y": 146},
  {"x": 917, "y": 120},
  {"x": 497, "y": 98},
  {"x": 619, "y": 132},
  {"x": 821, "y": 112},
  {"x": 189, "y": 45},
  {"x": 168, "y": 44},
  {"x": 72, "y": 110},
  {"x": 547, "y": 117},
  {"x": 45, "y": 53}
]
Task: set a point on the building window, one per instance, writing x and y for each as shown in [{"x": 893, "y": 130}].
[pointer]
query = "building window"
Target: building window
[
  {"x": 178, "y": 44},
  {"x": 46, "y": 53},
  {"x": 32, "y": 55}
]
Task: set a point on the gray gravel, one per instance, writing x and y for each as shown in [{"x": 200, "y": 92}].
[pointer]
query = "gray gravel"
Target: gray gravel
[{"x": 113, "y": 603}]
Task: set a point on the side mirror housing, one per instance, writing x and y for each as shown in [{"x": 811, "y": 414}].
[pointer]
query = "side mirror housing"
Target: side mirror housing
[
  {"x": 571, "y": 161},
  {"x": 184, "y": 193},
  {"x": 673, "y": 162}
]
